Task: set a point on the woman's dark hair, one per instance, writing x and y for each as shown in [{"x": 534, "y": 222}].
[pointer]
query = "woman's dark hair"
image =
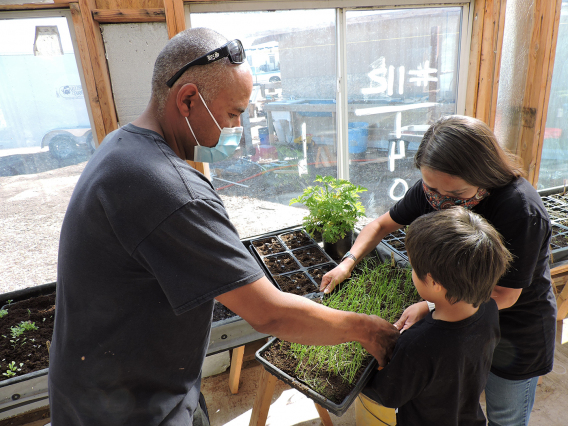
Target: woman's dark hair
[
  {"x": 460, "y": 250},
  {"x": 466, "y": 147}
]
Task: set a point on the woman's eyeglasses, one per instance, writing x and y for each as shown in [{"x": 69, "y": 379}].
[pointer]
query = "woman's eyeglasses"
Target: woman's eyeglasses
[{"x": 233, "y": 50}]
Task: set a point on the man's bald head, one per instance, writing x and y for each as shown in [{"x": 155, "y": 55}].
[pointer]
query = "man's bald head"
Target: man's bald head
[{"x": 183, "y": 48}]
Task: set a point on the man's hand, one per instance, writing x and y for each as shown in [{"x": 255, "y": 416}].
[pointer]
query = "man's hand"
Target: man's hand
[
  {"x": 337, "y": 275},
  {"x": 412, "y": 315},
  {"x": 382, "y": 339}
]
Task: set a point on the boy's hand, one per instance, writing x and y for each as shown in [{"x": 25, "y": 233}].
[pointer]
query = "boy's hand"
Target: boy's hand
[
  {"x": 412, "y": 315},
  {"x": 383, "y": 340},
  {"x": 337, "y": 275}
]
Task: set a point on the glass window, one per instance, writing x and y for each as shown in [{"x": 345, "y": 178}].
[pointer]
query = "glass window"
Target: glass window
[
  {"x": 402, "y": 70},
  {"x": 402, "y": 74},
  {"x": 289, "y": 127},
  {"x": 554, "y": 161},
  {"x": 45, "y": 140}
]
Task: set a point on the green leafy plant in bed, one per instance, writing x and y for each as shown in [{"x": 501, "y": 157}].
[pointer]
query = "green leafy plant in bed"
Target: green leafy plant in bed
[{"x": 375, "y": 290}]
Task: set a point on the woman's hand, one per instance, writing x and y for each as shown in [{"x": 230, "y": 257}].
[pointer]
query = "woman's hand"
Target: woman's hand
[
  {"x": 412, "y": 315},
  {"x": 337, "y": 275}
]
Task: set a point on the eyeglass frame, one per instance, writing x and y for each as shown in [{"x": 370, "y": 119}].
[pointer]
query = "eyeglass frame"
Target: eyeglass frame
[{"x": 210, "y": 57}]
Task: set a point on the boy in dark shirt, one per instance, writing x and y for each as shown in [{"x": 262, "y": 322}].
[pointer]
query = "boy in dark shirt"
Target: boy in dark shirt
[{"x": 440, "y": 365}]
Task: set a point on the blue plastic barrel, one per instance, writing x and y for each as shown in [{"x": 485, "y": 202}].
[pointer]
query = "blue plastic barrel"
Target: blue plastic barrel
[
  {"x": 263, "y": 135},
  {"x": 358, "y": 133}
]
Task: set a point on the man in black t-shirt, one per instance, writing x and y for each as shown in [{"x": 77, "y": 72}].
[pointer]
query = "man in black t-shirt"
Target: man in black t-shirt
[{"x": 146, "y": 246}]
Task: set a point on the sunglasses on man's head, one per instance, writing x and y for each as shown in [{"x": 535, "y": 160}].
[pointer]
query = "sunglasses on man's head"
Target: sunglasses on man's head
[{"x": 233, "y": 50}]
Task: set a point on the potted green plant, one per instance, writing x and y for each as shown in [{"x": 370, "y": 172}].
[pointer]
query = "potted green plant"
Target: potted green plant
[{"x": 334, "y": 209}]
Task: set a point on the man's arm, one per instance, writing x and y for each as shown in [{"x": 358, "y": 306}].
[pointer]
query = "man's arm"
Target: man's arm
[{"x": 297, "y": 319}]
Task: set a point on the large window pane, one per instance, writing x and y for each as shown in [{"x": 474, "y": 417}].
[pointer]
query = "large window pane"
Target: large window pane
[
  {"x": 45, "y": 140},
  {"x": 554, "y": 163},
  {"x": 290, "y": 125},
  {"x": 402, "y": 75}
]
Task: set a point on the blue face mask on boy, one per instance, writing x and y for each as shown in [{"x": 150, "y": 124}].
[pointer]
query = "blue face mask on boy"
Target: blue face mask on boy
[{"x": 228, "y": 142}]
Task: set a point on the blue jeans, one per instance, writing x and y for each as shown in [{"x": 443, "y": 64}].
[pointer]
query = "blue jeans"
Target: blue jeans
[{"x": 509, "y": 402}]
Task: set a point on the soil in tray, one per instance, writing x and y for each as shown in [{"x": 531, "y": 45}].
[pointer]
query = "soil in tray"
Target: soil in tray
[
  {"x": 298, "y": 283},
  {"x": 268, "y": 246},
  {"x": 280, "y": 264},
  {"x": 30, "y": 347},
  {"x": 396, "y": 244},
  {"x": 310, "y": 256},
  {"x": 335, "y": 388},
  {"x": 221, "y": 312},
  {"x": 318, "y": 273},
  {"x": 296, "y": 239}
]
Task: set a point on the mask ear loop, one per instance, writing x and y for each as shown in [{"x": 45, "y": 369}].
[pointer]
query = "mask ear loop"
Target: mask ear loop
[
  {"x": 192, "y": 131},
  {"x": 203, "y": 100}
]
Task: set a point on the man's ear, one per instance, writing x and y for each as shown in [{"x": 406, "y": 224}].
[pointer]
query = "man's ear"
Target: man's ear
[{"x": 186, "y": 98}]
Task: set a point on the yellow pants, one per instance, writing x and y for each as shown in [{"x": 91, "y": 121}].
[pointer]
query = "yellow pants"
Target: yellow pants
[{"x": 370, "y": 413}]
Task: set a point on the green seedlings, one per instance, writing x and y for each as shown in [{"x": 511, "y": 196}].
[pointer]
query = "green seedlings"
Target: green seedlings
[
  {"x": 3, "y": 313},
  {"x": 22, "y": 327},
  {"x": 375, "y": 290},
  {"x": 12, "y": 369},
  {"x": 29, "y": 313}
]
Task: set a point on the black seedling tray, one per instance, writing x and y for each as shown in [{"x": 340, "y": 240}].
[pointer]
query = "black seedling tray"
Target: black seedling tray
[
  {"x": 337, "y": 409},
  {"x": 328, "y": 266},
  {"x": 310, "y": 243},
  {"x": 291, "y": 275},
  {"x": 556, "y": 203}
]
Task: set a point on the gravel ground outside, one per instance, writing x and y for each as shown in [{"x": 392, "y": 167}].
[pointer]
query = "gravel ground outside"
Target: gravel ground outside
[{"x": 32, "y": 207}]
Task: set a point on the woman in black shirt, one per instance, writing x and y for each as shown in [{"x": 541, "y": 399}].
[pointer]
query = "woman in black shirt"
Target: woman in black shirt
[{"x": 462, "y": 164}]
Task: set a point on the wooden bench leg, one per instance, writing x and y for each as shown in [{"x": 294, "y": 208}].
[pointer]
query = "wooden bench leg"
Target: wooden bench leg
[
  {"x": 235, "y": 371},
  {"x": 263, "y": 398},
  {"x": 324, "y": 415}
]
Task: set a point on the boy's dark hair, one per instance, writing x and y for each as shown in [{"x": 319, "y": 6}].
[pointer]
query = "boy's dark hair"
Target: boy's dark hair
[{"x": 461, "y": 251}]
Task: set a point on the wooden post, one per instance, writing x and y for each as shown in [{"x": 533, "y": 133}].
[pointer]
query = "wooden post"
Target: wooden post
[
  {"x": 100, "y": 69},
  {"x": 263, "y": 398},
  {"x": 99, "y": 132},
  {"x": 235, "y": 372},
  {"x": 542, "y": 51},
  {"x": 484, "y": 59},
  {"x": 324, "y": 415}
]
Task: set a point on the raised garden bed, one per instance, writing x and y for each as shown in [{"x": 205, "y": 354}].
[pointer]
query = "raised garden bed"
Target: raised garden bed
[
  {"x": 24, "y": 387},
  {"x": 333, "y": 375}
]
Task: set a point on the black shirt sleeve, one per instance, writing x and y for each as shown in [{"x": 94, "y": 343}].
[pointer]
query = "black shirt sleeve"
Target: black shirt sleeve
[{"x": 196, "y": 255}]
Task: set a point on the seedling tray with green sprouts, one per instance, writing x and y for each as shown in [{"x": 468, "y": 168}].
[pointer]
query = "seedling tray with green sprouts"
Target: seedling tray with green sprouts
[
  {"x": 333, "y": 375},
  {"x": 393, "y": 246},
  {"x": 555, "y": 201},
  {"x": 288, "y": 259}
]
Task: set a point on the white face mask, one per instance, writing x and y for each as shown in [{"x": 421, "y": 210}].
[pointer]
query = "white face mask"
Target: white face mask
[{"x": 229, "y": 140}]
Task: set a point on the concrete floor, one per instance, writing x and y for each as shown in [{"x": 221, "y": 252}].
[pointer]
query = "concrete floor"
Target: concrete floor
[{"x": 289, "y": 407}]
